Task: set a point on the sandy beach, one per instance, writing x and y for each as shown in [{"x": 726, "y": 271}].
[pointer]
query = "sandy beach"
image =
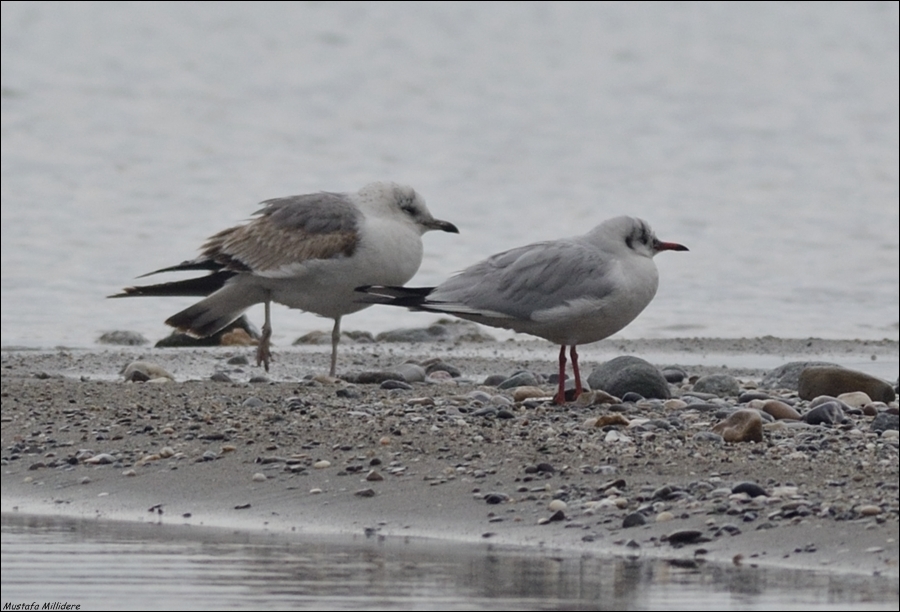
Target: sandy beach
[{"x": 294, "y": 452}]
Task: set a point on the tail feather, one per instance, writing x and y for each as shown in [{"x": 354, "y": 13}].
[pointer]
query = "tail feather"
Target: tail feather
[
  {"x": 200, "y": 286},
  {"x": 413, "y": 298},
  {"x": 191, "y": 264},
  {"x": 208, "y": 316}
]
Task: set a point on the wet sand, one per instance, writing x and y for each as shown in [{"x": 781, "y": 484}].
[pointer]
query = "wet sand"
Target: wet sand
[{"x": 296, "y": 456}]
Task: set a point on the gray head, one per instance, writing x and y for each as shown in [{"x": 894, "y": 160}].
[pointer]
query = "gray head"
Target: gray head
[
  {"x": 401, "y": 202},
  {"x": 633, "y": 234}
]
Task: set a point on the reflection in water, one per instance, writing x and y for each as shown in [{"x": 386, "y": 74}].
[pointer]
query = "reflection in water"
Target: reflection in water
[{"x": 137, "y": 566}]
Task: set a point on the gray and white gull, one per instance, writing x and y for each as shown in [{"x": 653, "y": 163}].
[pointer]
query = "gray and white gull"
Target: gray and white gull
[
  {"x": 570, "y": 291},
  {"x": 306, "y": 251}
]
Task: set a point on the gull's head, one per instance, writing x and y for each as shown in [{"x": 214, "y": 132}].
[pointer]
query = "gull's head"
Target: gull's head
[
  {"x": 403, "y": 203},
  {"x": 635, "y": 235}
]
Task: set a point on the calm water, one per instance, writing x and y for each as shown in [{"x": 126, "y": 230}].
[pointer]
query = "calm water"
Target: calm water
[
  {"x": 105, "y": 565},
  {"x": 763, "y": 136}
]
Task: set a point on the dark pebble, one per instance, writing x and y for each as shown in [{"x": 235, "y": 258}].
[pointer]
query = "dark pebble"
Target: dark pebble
[
  {"x": 749, "y": 396},
  {"x": 635, "y": 519},
  {"x": 396, "y": 384},
  {"x": 496, "y": 498},
  {"x": 440, "y": 366},
  {"x": 686, "y": 536},
  {"x": 347, "y": 392},
  {"x": 521, "y": 379},
  {"x": 238, "y": 360},
  {"x": 494, "y": 380},
  {"x": 221, "y": 377},
  {"x": 628, "y": 373},
  {"x": 750, "y": 488},
  {"x": 828, "y": 413},
  {"x": 557, "y": 516},
  {"x": 674, "y": 375},
  {"x": 365, "y": 493},
  {"x": 885, "y": 421}
]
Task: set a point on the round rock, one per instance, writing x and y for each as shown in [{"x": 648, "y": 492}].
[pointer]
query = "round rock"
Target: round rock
[{"x": 626, "y": 374}]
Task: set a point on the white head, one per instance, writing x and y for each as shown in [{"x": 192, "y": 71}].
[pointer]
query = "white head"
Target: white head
[
  {"x": 401, "y": 201},
  {"x": 630, "y": 233}
]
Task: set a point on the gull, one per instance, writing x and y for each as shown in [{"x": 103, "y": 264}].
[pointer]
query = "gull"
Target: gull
[
  {"x": 569, "y": 291},
  {"x": 306, "y": 251}
]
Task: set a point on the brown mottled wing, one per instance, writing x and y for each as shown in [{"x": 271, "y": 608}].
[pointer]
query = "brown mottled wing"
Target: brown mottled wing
[{"x": 288, "y": 232}]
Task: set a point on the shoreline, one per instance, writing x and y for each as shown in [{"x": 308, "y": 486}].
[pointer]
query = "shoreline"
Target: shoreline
[{"x": 263, "y": 447}]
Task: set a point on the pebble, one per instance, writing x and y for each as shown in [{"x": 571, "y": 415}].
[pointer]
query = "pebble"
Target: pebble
[
  {"x": 834, "y": 381},
  {"x": 743, "y": 425},
  {"x": 321, "y": 465},
  {"x": 780, "y": 410},
  {"x": 520, "y": 379},
  {"x": 557, "y": 504},
  {"x": 259, "y": 477},
  {"x": 720, "y": 385},
  {"x": 123, "y": 338},
  {"x": 520, "y": 394},
  {"x": 143, "y": 371},
  {"x": 626, "y": 374},
  {"x": 827, "y": 413},
  {"x": 787, "y": 376}
]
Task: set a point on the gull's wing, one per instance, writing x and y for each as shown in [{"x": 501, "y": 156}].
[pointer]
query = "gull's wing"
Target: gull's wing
[
  {"x": 286, "y": 233},
  {"x": 525, "y": 281}
]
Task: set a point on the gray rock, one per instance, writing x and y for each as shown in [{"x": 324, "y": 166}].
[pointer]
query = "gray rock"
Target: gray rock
[
  {"x": 123, "y": 338},
  {"x": 833, "y": 381},
  {"x": 827, "y": 413},
  {"x": 885, "y": 421},
  {"x": 787, "y": 376},
  {"x": 722, "y": 385},
  {"x": 445, "y": 330},
  {"x": 627, "y": 373},
  {"x": 521, "y": 379}
]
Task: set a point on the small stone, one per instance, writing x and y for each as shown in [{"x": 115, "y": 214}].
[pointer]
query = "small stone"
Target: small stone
[
  {"x": 626, "y": 374},
  {"x": 101, "y": 459},
  {"x": 123, "y": 338},
  {"x": 129, "y": 473},
  {"x": 520, "y": 379},
  {"x": 557, "y": 504},
  {"x": 374, "y": 476},
  {"x": 743, "y": 425},
  {"x": 837, "y": 380},
  {"x": 520, "y": 394},
  {"x": 855, "y": 399},
  {"x": 365, "y": 493},
  {"x": 664, "y": 516},
  {"x": 321, "y": 465},
  {"x": 721, "y": 385},
  {"x": 869, "y": 510},
  {"x": 259, "y": 477},
  {"x": 827, "y": 413},
  {"x": 779, "y": 410},
  {"x": 750, "y": 488},
  {"x": 635, "y": 519},
  {"x": 686, "y": 536},
  {"x": 142, "y": 371},
  {"x": 396, "y": 384}
]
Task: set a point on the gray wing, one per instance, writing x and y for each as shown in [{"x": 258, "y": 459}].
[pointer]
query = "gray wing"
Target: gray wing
[
  {"x": 288, "y": 231},
  {"x": 519, "y": 282}
]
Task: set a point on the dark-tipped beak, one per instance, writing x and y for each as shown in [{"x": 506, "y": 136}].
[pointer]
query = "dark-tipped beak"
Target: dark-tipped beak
[
  {"x": 444, "y": 226},
  {"x": 668, "y": 246}
]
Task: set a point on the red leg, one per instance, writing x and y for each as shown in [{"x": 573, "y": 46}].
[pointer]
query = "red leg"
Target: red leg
[
  {"x": 577, "y": 373},
  {"x": 560, "y": 398}
]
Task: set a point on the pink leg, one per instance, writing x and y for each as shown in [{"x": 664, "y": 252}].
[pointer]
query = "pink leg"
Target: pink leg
[
  {"x": 560, "y": 398},
  {"x": 577, "y": 373}
]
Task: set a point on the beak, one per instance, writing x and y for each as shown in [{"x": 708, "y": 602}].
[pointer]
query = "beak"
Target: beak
[
  {"x": 668, "y": 246},
  {"x": 444, "y": 226}
]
